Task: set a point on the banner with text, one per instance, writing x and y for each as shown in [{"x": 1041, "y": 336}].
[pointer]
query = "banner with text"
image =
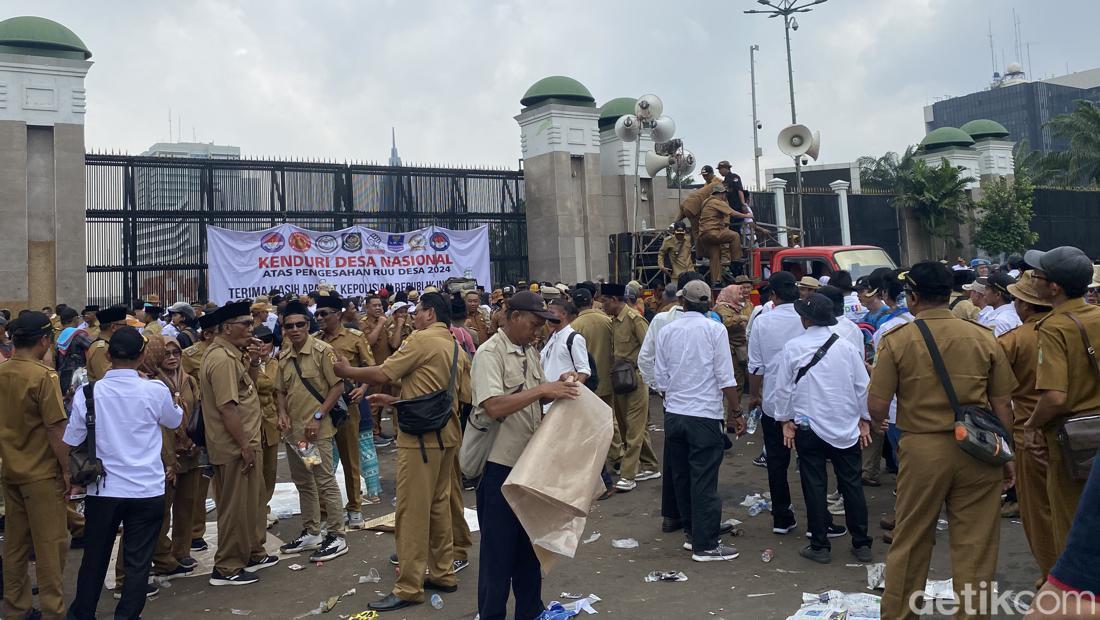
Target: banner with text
[{"x": 356, "y": 260}]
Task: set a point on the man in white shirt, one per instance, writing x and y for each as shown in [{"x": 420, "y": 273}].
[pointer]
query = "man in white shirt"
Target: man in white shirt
[
  {"x": 896, "y": 315},
  {"x": 694, "y": 370},
  {"x": 130, "y": 412},
  {"x": 1003, "y": 317},
  {"x": 566, "y": 349},
  {"x": 820, "y": 397},
  {"x": 770, "y": 334},
  {"x": 843, "y": 327}
]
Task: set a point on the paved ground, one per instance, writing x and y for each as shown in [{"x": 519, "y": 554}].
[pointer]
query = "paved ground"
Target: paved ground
[{"x": 713, "y": 590}]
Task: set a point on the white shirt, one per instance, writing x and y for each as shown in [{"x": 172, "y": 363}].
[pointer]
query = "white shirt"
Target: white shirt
[
  {"x": 1003, "y": 318},
  {"x": 772, "y": 331},
  {"x": 850, "y": 332},
  {"x": 647, "y": 355},
  {"x": 853, "y": 309},
  {"x": 899, "y": 320},
  {"x": 757, "y": 311},
  {"x": 693, "y": 364},
  {"x": 169, "y": 331},
  {"x": 832, "y": 396},
  {"x": 270, "y": 321},
  {"x": 557, "y": 358},
  {"x": 984, "y": 314},
  {"x": 129, "y": 413}
]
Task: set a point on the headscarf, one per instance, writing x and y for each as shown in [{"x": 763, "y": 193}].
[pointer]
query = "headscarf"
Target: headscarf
[
  {"x": 154, "y": 353},
  {"x": 731, "y": 296}
]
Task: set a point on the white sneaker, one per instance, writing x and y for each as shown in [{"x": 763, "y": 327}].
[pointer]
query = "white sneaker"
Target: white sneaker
[
  {"x": 354, "y": 521},
  {"x": 624, "y": 485},
  {"x": 304, "y": 542},
  {"x": 832, "y": 498},
  {"x": 717, "y": 554},
  {"x": 333, "y": 547},
  {"x": 647, "y": 475}
]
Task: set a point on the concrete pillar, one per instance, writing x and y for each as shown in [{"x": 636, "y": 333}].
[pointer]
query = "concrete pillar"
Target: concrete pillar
[
  {"x": 841, "y": 189},
  {"x": 778, "y": 186}
]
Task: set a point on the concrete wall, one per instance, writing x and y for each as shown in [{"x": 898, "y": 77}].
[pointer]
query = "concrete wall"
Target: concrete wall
[{"x": 14, "y": 264}]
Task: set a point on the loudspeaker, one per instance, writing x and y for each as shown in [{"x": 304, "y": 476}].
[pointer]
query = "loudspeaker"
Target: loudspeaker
[
  {"x": 649, "y": 107},
  {"x": 663, "y": 129},
  {"x": 655, "y": 163},
  {"x": 628, "y": 128},
  {"x": 798, "y": 140}
]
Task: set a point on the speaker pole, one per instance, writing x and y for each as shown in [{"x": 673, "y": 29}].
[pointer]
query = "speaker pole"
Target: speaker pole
[{"x": 794, "y": 120}]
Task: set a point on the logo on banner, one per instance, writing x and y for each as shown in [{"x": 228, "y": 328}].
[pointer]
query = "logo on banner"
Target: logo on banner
[
  {"x": 352, "y": 242},
  {"x": 417, "y": 243},
  {"x": 327, "y": 244},
  {"x": 396, "y": 243},
  {"x": 272, "y": 242},
  {"x": 439, "y": 241},
  {"x": 300, "y": 242}
]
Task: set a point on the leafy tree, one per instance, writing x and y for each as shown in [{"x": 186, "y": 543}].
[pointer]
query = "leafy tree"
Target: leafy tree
[
  {"x": 882, "y": 172},
  {"x": 1043, "y": 169},
  {"x": 1005, "y": 214},
  {"x": 1082, "y": 128},
  {"x": 685, "y": 182},
  {"x": 937, "y": 196}
]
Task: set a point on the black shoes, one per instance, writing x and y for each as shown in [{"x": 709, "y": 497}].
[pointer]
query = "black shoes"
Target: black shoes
[
  {"x": 821, "y": 556},
  {"x": 431, "y": 585},
  {"x": 198, "y": 544},
  {"x": 671, "y": 525},
  {"x": 863, "y": 554},
  {"x": 390, "y": 603}
]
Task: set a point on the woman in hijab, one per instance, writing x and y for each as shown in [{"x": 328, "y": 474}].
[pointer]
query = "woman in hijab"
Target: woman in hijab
[{"x": 729, "y": 306}]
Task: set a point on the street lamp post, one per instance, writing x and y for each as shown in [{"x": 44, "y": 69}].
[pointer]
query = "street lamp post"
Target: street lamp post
[
  {"x": 787, "y": 9},
  {"x": 755, "y": 120}
]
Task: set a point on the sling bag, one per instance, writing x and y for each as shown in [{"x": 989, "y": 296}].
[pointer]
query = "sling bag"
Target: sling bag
[
  {"x": 1079, "y": 436},
  {"x": 429, "y": 413},
  {"x": 339, "y": 411},
  {"x": 820, "y": 353},
  {"x": 85, "y": 468},
  {"x": 196, "y": 425},
  {"x": 479, "y": 437},
  {"x": 593, "y": 380},
  {"x": 624, "y": 379},
  {"x": 978, "y": 432}
]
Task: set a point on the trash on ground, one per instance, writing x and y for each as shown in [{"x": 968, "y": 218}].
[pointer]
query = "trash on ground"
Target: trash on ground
[
  {"x": 751, "y": 499},
  {"x": 759, "y": 506},
  {"x": 941, "y": 525},
  {"x": 624, "y": 543},
  {"x": 836, "y": 605},
  {"x": 731, "y": 523},
  {"x": 761, "y": 594},
  {"x": 670, "y": 575},
  {"x": 556, "y": 611},
  {"x": 939, "y": 589},
  {"x": 241, "y": 612},
  {"x": 371, "y": 577},
  {"x": 571, "y": 596},
  {"x": 296, "y": 567},
  {"x": 788, "y": 572},
  {"x": 768, "y": 554},
  {"x": 876, "y": 576},
  {"x": 437, "y": 601},
  {"x": 593, "y": 538},
  {"x": 574, "y": 608}
]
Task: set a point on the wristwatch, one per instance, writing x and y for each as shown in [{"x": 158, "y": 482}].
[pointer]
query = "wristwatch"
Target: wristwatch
[{"x": 318, "y": 415}]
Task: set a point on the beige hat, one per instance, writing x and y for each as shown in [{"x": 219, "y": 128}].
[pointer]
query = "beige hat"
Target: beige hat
[
  {"x": 1026, "y": 289},
  {"x": 809, "y": 282},
  {"x": 1095, "y": 277},
  {"x": 977, "y": 285}
]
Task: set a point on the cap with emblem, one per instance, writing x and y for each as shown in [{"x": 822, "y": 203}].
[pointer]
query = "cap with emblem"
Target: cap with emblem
[
  {"x": 113, "y": 314},
  {"x": 330, "y": 301},
  {"x": 612, "y": 289},
  {"x": 30, "y": 325},
  {"x": 817, "y": 309},
  {"x": 508, "y": 291},
  {"x": 1065, "y": 265},
  {"x": 928, "y": 277},
  {"x": 399, "y": 305},
  {"x": 695, "y": 292},
  {"x": 1026, "y": 289},
  {"x": 1000, "y": 281},
  {"x": 582, "y": 297},
  {"x": 809, "y": 282},
  {"x": 707, "y": 169},
  {"x": 533, "y": 303},
  {"x": 127, "y": 343}
]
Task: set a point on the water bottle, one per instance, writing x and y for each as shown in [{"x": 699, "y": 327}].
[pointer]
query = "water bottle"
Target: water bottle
[
  {"x": 754, "y": 418},
  {"x": 437, "y": 601},
  {"x": 757, "y": 508}
]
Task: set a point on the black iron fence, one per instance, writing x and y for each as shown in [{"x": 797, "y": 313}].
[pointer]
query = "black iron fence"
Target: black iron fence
[
  {"x": 147, "y": 216},
  {"x": 872, "y": 220},
  {"x": 1067, "y": 217}
]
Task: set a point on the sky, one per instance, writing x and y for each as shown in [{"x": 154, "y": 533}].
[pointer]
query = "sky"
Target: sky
[{"x": 327, "y": 79}]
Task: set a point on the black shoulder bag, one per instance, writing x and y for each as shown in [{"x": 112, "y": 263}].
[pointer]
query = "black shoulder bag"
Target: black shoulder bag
[
  {"x": 429, "y": 413},
  {"x": 85, "y": 468},
  {"x": 978, "y": 432},
  {"x": 816, "y": 358},
  {"x": 339, "y": 411},
  {"x": 1079, "y": 436},
  {"x": 196, "y": 425},
  {"x": 593, "y": 380}
]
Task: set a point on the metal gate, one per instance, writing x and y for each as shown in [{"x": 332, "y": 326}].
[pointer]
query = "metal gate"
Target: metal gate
[{"x": 147, "y": 216}]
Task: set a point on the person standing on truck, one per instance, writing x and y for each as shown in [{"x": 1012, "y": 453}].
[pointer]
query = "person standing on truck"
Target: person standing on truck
[
  {"x": 715, "y": 233},
  {"x": 675, "y": 255},
  {"x": 692, "y": 206}
]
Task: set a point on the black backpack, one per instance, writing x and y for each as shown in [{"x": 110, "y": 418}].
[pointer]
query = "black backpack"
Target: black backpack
[{"x": 593, "y": 380}]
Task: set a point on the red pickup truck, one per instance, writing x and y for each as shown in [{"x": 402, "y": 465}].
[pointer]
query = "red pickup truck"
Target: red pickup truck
[{"x": 817, "y": 261}]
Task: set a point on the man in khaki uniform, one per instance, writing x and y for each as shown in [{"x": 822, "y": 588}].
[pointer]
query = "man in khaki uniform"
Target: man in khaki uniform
[
  {"x": 191, "y": 363},
  {"x": 109, "y": 320},
  {"x": 477, "y": 321},
  {"x": 595, "y": 327},
  {"x": 675, "y": 256},
  {"x": 35, "y": 471},
  {"x": 628, "y": 329},
  {"x": 1066, "y": 376},
  {"x": 375, "y": 325},
  {"x": 1021, "y": 346},
  {"x": 496, "y": 317},
  {"x": 307, "y": 389},
  {"x": 152, "y": 320},
  {"x": 270, "y": 435},
  {"x": 425, "y": 464},
  {"x": 89, "y": 322},
  {"x": 231, "y": 413},
  {"x": 715, "y": 233},
  {"x": 352, "y": 345},
  {"x": 933, "y": 469},
  {"x": 692, "y": 206}
]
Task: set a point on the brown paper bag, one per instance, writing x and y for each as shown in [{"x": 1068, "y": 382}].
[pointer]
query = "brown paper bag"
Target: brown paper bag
[{"x": 556, "y": 479}]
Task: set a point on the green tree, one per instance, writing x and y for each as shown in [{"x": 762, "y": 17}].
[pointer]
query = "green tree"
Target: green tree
[
  {"x": 1042, "y": 169},
  {"x": 937, "y": 196},
  {"x": 685, "y": 182},
  {"x": 1005, "y": 215},
  {"x": 1082, "y": 128},
  {"x": 882, "y": 172}
]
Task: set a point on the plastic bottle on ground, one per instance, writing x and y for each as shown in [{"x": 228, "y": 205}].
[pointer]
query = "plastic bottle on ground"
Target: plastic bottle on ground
[{"x": 437, "y": 601}]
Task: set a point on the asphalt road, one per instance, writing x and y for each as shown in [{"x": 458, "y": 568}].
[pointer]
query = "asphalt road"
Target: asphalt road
[{"x": 744, "y": 588}]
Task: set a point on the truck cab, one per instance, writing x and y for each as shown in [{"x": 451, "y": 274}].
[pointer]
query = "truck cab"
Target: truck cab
[{"x": 817, "y": 261}]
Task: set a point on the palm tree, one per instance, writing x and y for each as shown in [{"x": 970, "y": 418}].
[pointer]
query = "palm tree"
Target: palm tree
[
  {"x": 937, "y": 196},
  {"x": 882, "y": 172},
  {"x": 1082, "y": 128},
  {"x": 1049, "y": 169}
]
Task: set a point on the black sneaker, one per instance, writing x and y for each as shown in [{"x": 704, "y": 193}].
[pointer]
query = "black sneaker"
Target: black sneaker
[
  {"x": 821, "y": 556},
  {"x": 242, "y": 578},
  {"x": 381, "y": 441},
  {"x": 188, "y": 561},
  {"x": 261, "y": 563},
  {"x": 460, "y": 564},
  {"x": 469, "y": 484},
  {"x": 863, "y": 554},
  {"x": 150, "y": 591},
  {"x": 393, "y": 560},
  {"x": 333, "y": 547},
  {"x": 717, "y": 554},
  {"x": 833, "y": 531},
  {"x": 198, "y": 544},
  {"x": 176, "y": 573},
  {"x": 785, "y": 529},
  {"x": 760, "y": 461}
]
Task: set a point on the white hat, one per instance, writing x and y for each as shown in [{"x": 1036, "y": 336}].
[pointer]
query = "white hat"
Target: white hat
[{"x": 397, "y": 306}]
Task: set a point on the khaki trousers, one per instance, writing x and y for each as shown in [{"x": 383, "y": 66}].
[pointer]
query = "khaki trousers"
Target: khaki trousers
[
  {"x": 935, "y": 472},
  {"x": 270, "y": 471},
  {"x": 35, "y": 520},
  {"x": 424, "y": 528},
  {"x": 632, "y": 415},
  {"x": 872, "y": 455},
  {"x": 198, "y": 511},
  {"x": 713, "y": 242},
  {"x": 242, "y": 528},
  {"x": 462, "y": 540},
  {"x": 317, "y": 486},
  {"x": 615, "y": 453},
  {"x": 1063, "y": 493},
  {"x": 1031, "y": 492},
  {"x": 347, "y": 445},
  {"x": 179, "y": 501}
]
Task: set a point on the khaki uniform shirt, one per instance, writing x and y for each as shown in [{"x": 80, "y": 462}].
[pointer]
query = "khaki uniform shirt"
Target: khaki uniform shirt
[
  {"x": 224, "y": 379},
  {"x": 715, "y": 215},
  {"x": 97, "y": 364},
  {"x": 192, "y": 357},
  {"x": 1021, "y": 346},
  {"x": 679, "y": 255},
  {"x": 350, "y": 344},
  {"x": 478, "y": 326},
  {"x": 153, "y": 328},
  {"x": 693, "y": 204},
  {"x": 380, "y": 349},
  {"x": 317, "y": 360},
  {"x": 975, "y": 363},
  {"x": 965, "y": 309},
  {"x": 627, "y": 334},
  {"x": 595, "y": 326},
  {"x": 31, "y": 393},
  {"x": 265, "y": 387},
  {"x": 1064, "y": 366},
  {"x": 502, "y": 368},
  {"x": 735, "y": 323},
  {"x": 423, "y": 366}
]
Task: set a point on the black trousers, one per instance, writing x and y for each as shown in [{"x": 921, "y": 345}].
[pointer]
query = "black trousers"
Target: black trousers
[
  {"x": 141, "y": 519},
  {"x": 669, "y": 509},
  {"x": 813, "y": 451},
  {"x": 692, "y": 457},
  {"x": 779, "y": 460},
  {"x": 508, "y": 561}
]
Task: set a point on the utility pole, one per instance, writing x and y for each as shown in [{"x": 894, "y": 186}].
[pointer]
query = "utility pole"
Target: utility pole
[{"x": 756, "y": 152}]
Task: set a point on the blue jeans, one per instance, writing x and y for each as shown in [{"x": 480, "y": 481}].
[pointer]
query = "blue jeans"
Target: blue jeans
[{"x": 1076, "y": 569}]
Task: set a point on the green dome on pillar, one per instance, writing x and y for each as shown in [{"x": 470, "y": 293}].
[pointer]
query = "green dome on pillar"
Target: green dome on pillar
[
  {"x": 945, "y": 137},
  {"x": 38, "y": 36},
  {"x": 614, "y": 109},
  {"x": 558, "y": 88},
  {"x": 985, "y": 128}
]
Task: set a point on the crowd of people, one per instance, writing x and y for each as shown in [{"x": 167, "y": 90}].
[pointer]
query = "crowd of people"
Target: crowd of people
[{"x": 198, "y": 400}]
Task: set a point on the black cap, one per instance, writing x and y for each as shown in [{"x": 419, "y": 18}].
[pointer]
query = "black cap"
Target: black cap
[
  {"x": 1065, "y": 265},
  {"x": 533, "y": 303},
  {"x": 929, "y": 277},
  {"x": 781, "y": 280},
  {"x": 836, "y": 296},
  {"x": 330, "y": 301},
  {"x": 296, "y": 307},
  {"x": 30, "y": 325},
  {"x": 154, "y": 311},
  {"x": 90, "y": 308},
  {"x": 961, "y": 276},
  {"x": 263, "y": 333},
  {"x": 679, "y": 226},
  {"x": 707, "y": 169},
  {"x": 582, "y": 297},
  {"x": 612, "y": 289},
  {"x": 208, "y": 321},
  {"x": 817, "y": 308},
  {"x": 67, "y": 314},
  {"x": 232, "y": 310},
  {"x": 126, "y": 343},
  {"x": 1001, "y": 281},
  {"x": 113, "y": 314}
]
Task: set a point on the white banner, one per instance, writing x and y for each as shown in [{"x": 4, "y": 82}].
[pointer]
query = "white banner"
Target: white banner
[{"x": 356, "y": 260}]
